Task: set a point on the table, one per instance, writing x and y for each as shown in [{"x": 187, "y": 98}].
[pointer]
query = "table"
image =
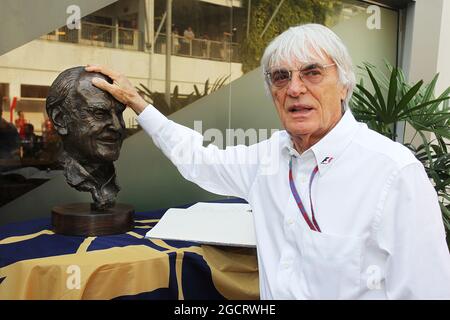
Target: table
[{"x": 35, "y": 263}]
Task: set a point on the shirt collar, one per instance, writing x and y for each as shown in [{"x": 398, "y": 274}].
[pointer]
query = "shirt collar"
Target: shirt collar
[{"x": 331, "y": 146}]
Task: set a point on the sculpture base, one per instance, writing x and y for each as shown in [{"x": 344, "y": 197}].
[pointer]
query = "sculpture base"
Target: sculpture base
[{"x": 79, "y": 219}]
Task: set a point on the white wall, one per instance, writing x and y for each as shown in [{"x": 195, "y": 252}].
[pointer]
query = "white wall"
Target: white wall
[
  {"x": 427, "y": 47},
  {"x": 443, "y": 59},
  {"x": 40, "y": 61},
  {"x": 425, "y": 40}
]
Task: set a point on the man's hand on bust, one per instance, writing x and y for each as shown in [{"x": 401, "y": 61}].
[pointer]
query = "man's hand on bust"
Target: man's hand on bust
[{"x": 121, "y": 89}]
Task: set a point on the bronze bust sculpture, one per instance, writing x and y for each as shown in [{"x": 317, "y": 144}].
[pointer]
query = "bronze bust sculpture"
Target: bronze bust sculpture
[{"x": 90, "y": 124}]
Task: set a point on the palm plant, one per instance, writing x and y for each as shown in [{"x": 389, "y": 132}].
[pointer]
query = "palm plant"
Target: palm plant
[
  {"x": 158, "y": 99},
  {"x": 178, "y": 101},
  {"x": 220, "y": 82},
  {"x": 393, "y": 101}
]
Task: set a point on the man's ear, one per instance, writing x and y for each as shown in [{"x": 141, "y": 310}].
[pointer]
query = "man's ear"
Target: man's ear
[
  {"x": 344, "y": 92},
  {"x": 59, "y": 120}
]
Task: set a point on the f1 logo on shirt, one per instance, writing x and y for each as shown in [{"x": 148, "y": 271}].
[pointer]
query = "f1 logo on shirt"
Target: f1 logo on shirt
[{"x": 327, "y": 160}]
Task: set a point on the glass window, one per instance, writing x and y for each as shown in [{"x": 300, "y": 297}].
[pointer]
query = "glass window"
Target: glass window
[
  {"x": 4, "y": 96},
  {"x": 33, "y": 91},
  {"x": 215, "y": 82}
]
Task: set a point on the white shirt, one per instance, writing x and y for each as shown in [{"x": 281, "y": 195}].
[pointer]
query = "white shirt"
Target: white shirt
[{"x": 382, "y": 231}]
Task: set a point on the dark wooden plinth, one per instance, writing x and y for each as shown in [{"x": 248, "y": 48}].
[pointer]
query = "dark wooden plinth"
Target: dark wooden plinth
[{"x": 78, "y": 219}]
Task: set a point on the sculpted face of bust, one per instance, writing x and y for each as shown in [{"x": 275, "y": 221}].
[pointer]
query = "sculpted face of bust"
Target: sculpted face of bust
[
  {"x": 96, "y": 131},
  {"x": 92, "y": 129}
]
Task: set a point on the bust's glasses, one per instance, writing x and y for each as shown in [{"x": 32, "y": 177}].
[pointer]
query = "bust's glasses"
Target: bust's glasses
[{"x": 311, "y": 73}]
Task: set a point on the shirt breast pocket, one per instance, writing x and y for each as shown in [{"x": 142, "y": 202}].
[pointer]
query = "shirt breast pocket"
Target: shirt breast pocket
[{"x": 331, "y": 264}]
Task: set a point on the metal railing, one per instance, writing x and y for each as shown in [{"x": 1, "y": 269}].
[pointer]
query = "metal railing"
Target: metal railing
[
  {"x": 99, "y": 35},
  {"x": 124, "y": 38},
  {"x": 199, "y": 48}
]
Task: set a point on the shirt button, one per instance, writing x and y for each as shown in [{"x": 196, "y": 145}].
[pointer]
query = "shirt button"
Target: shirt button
[
  {"x": 286, "y": 265},
  {"x": 290, "y": 221},
  {"x": 303, "y": 179}
]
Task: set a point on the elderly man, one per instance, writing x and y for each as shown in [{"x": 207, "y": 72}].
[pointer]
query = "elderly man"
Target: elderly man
[{"x": 348, "y": 214}]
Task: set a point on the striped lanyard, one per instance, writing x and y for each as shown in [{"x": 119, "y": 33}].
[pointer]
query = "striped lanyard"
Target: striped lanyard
[{"x": 312, "y": 225}]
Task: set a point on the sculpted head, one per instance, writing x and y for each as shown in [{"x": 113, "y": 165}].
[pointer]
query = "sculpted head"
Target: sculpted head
[{"x": 88, "y": 119}]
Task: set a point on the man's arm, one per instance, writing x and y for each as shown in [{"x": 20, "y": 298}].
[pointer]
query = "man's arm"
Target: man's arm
[
  {"x": 227, "y": 172},
  {"x": 412, "y": 233}
]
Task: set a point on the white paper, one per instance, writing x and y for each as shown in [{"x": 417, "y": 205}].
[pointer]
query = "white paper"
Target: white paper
[
  {"x": 229, "y": 224},
  {"x": 215, "y": 207}
]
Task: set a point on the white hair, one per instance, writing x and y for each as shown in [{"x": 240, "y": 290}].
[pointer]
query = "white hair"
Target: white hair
[{"x": 306, "y": 43}]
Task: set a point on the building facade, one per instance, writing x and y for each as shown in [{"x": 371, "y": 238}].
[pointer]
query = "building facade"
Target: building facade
[{"x": 413, "y": 35}]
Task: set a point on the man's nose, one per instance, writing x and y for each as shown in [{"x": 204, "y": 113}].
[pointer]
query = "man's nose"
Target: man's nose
[
  {"x": 115, "y": 122},
  {"x": 296, "y": 86}
]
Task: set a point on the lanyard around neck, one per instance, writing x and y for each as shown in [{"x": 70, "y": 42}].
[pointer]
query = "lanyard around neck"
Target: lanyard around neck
[{"x": 312, "y": 225}]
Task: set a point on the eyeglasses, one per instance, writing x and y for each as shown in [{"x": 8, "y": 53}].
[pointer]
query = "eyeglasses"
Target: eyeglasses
[{"x": 311, "y": 73}]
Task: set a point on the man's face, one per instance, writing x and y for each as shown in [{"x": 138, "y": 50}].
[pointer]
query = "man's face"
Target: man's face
[
  {"x": 97, "y": 129},
  {"x": 307, "y": 109}
]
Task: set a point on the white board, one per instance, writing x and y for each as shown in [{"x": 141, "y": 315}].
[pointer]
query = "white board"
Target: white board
[{"x": 229, "y": 224}]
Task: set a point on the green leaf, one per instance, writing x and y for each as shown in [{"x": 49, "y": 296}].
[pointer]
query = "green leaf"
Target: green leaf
[
  {"x": 147, "y": 90},
  {"x": 430, "y": 89},
  {"x": 392, "y": 93},
  {"x": 196, "y": 91},
  {"x": 373, "y": 101},
  {"x": 205, "y": 90},
  {"x": 409, "y": 112},
  {"x": 402, "y": 106},
  {"x": 379, "y": 95},
  {"x": 365, "y": 102}
]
